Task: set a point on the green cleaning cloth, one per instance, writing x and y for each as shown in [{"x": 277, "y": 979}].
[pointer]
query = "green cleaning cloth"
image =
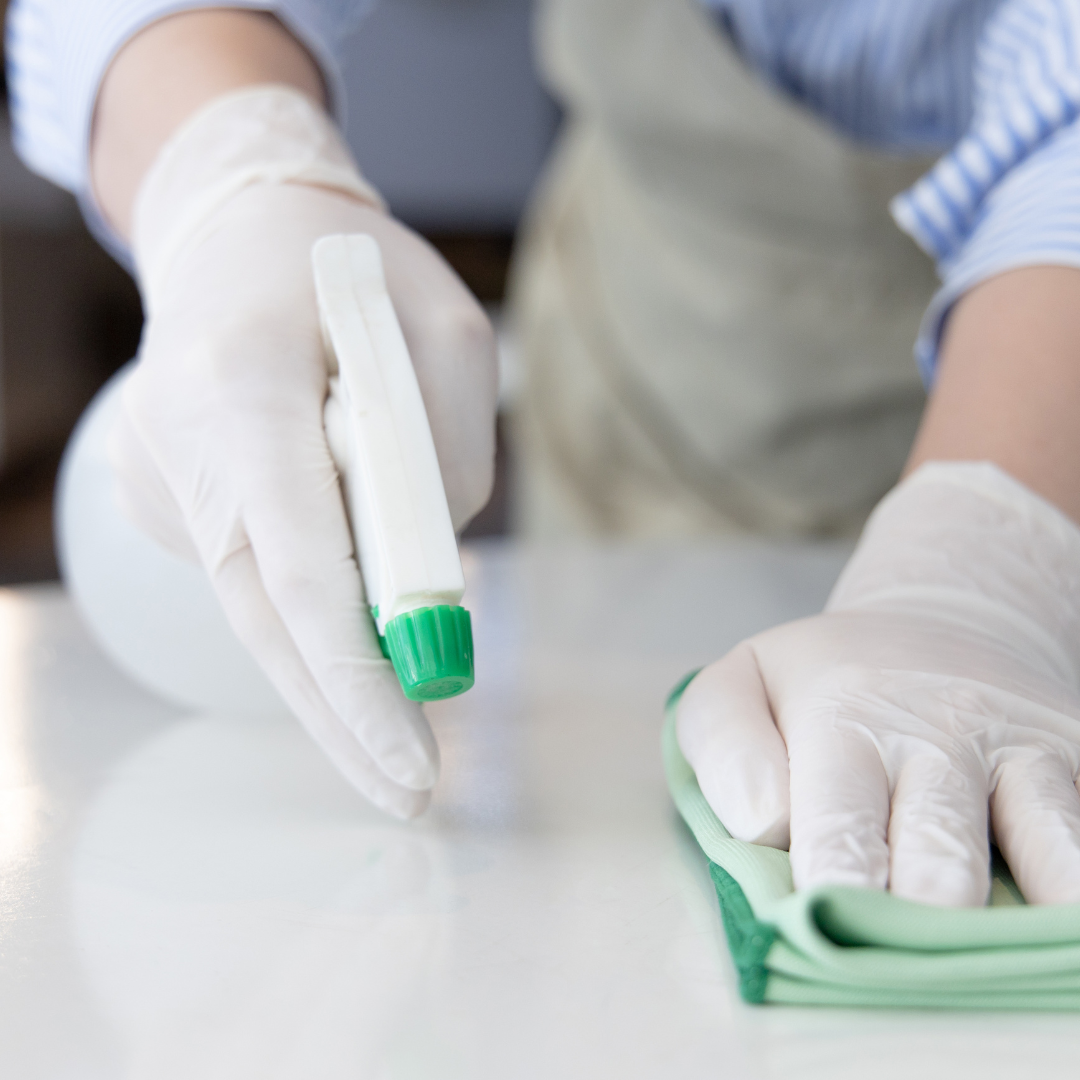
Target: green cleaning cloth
[{"x": 844, "y": 946}]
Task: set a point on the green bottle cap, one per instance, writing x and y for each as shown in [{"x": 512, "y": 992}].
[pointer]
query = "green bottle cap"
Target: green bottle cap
[{"x": 432, "y": 651}]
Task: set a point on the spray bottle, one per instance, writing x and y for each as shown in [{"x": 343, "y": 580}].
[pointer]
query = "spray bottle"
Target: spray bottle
[{"x": 379, "y": 436}]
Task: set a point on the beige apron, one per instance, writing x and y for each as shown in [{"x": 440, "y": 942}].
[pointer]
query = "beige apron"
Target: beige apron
[{"x": 715, "y": 310}]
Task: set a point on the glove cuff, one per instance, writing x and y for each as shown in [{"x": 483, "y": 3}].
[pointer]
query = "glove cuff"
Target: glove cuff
[
  {"x": 968, "y": 543},
  {"x": 258, "y": 135}
]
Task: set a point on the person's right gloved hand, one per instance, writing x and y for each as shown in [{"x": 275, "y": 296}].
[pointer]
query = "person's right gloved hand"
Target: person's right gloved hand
[
  {"x": 939, "y": 693},
  {"x": 221, "y": 452}
]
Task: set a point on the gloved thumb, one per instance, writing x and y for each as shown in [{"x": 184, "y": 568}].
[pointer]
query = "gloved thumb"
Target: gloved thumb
[{"x": 726, "y": 732}]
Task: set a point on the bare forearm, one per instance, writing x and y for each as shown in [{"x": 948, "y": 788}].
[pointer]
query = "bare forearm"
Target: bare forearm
[
  {"x": 169, "y": 71},
  {"x": 1008, "y": 383}
]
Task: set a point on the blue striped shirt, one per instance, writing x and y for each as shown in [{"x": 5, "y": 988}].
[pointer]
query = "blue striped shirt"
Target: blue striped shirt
[{"x": 994, "y": 85}]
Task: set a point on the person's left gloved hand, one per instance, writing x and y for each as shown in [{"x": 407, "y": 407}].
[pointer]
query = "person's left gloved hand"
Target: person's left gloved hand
[{"x": 937, "y": 694}]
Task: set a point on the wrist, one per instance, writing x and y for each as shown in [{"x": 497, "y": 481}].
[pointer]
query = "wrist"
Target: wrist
[
  {"x": 261, "y": 135},
  {"x": 1007, "y": 388},
  {"x": 966, "y": 543},
  {"x": 169, "y": 71}
]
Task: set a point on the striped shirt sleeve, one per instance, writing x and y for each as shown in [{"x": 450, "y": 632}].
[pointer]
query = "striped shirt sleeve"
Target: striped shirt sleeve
[
  {"x": 995, "y": 84},
  {"x": 58, "y": 50},
  {"x": 892, "y": 75},
  {"x": 1008, "y": 193}
]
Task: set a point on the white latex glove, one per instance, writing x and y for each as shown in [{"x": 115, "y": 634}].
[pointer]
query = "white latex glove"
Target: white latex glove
[
  {"x": 940, "y": 688},
  {"x": 221, "y": 452}
]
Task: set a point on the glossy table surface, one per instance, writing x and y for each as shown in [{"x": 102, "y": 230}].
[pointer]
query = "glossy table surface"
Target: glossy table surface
[{"x": 187, "y": 896}]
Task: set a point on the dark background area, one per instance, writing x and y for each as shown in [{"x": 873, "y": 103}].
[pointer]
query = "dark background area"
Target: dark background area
[{"x": 473, "y": 133}]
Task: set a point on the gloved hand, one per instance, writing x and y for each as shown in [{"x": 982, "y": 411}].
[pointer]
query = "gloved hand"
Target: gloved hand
[
  {"x": 940, "y": 688},
  {"x": 221, "y": 452}
]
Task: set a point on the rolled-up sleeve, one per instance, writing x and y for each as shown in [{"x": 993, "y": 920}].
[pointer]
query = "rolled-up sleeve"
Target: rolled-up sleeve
[
  {"x": 58, "y": 50},
  {"x": 1008, "y": 194},
  {"x": 994, "y": 84}
]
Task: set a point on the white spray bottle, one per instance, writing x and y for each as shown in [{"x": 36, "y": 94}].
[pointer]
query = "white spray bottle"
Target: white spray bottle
[{"x": 379, "y": 436}]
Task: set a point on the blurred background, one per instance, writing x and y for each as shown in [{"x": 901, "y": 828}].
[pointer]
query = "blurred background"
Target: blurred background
[{"x": 446, "y": 117}]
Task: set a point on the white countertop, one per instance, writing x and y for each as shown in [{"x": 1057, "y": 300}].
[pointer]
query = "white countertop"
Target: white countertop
[{"x": 202, "y": 897}]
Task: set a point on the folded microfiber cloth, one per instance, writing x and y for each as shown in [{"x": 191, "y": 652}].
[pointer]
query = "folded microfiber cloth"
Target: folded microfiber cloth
[{"x": 842, "y": 946}]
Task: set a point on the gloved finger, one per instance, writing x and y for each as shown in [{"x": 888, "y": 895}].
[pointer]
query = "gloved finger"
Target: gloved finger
[
  {"x": 726, "y": 732},
  {"x": 295, "y": 520},
  {"x": 1036, "y": 813},
  {"x": 260, "y": 628},
  {"x": 142, "y": 494},
  {"x": 939, "y": 848},
  {"x": 839, "y": 804}
]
